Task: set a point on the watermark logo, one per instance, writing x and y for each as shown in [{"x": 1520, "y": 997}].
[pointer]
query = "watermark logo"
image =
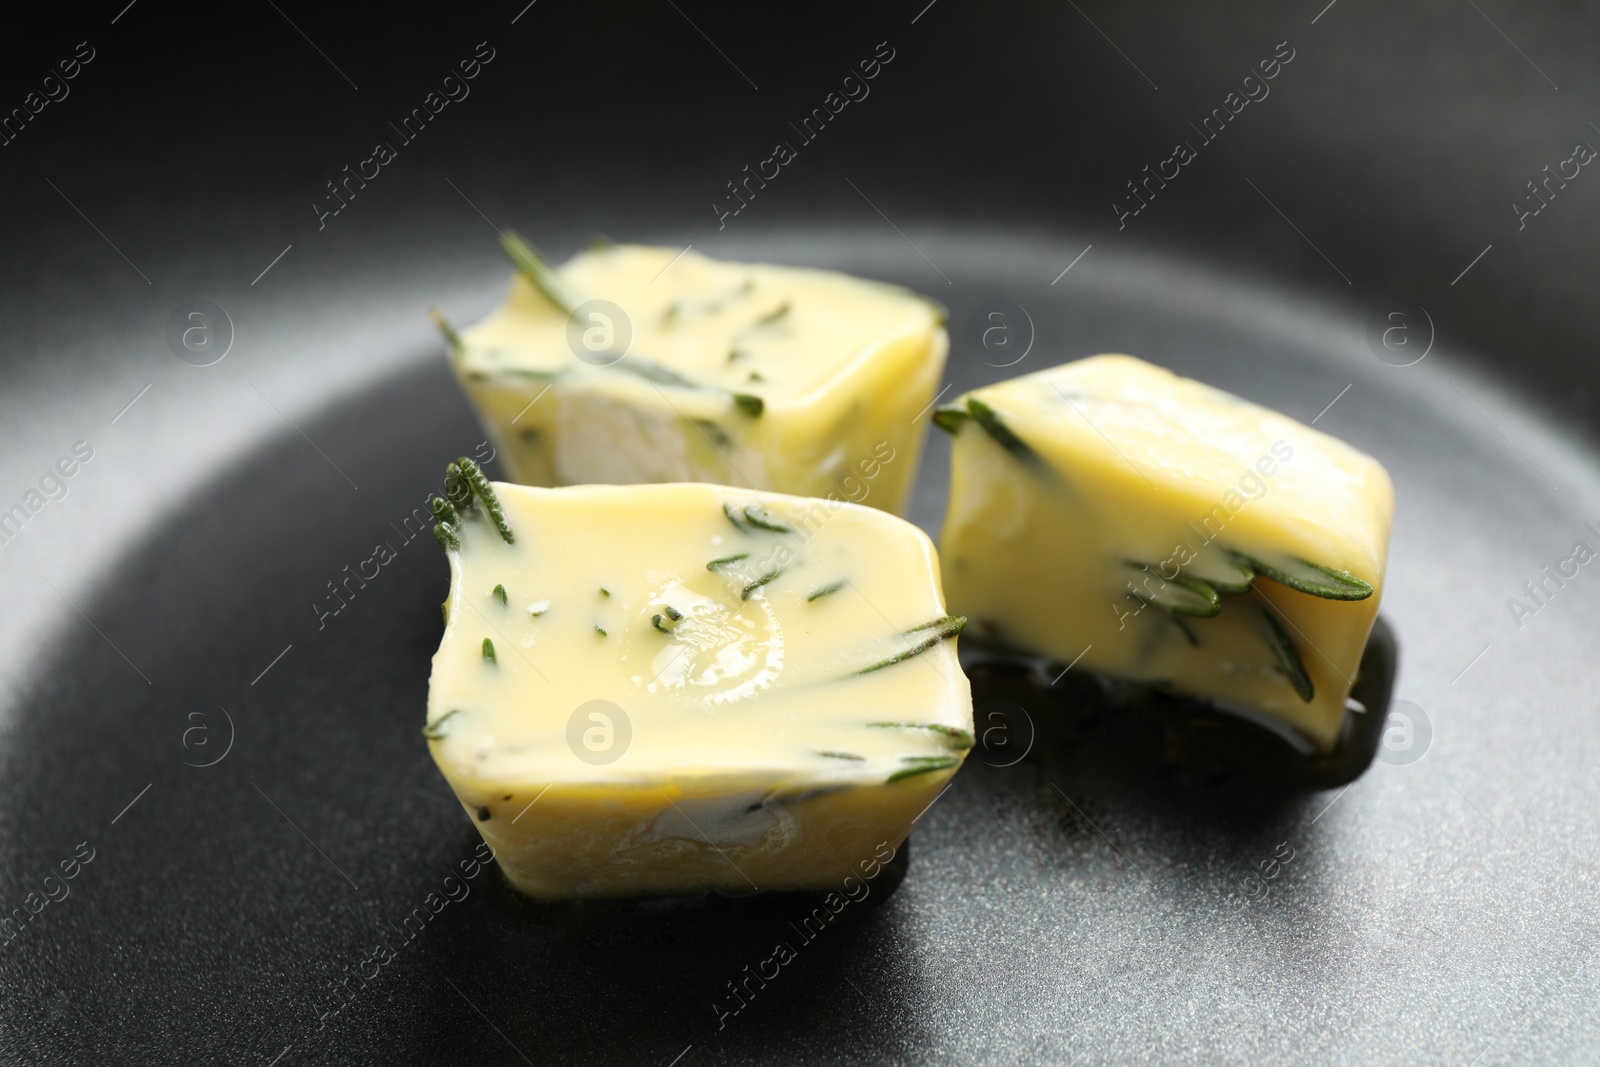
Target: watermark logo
[
  {"x": 599, "y": 732},
  {"x": 1259, "y": 883},
  {"x": 1407, "y": 734},
  {"x": 1005, "y": 733},
  {"x": 1401, "y": 338},
  {"x": 198, "y": 743},
  {"x": 999, "y": 333},
  {"x": 599, "y": 332},
  {"x": 199, "y": 332}
]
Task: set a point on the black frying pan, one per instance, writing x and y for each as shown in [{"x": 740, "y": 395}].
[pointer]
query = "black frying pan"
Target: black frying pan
[{"x": 256, "y": 838}]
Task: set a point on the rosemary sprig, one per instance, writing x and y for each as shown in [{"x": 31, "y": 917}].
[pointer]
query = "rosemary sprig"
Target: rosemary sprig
[
  {"x": 672, "y": 613},
  {"x": 958, "y": 738},
  {"x": 444, "y": 530},
  {"x": 472, "y": 474},
  {"x": 775, "y": 315},
  {"x": 1306, "y": 577},
  {"x": 915, "y": 765},
  {"x": 757, "y": 516},
  {"x": 709, "y": 305},
  {"x": 1178, "y": 594},
  {"x": 654, "y": 372},
  {"x": 451, "y": 338},
  {"x": 714, "y": 433},
  {"x": 1294, "y": 667},
  {"x": 500, "y": 593},
  {"x": 655, "y": 620},
  {"x": 827, "y": 590},
  {"x": 488, "y": 650},
  {"x": 943, "y": 620},
  {"x": 949, "y": 417},
  {"x": 943, "y": 628},
  {"x": 989, "y": 419},
  {"x": 744, "y": 594},
  {"x": 538, "y": 270},
  {"x": 734, "y": 517},
  {"x": 434, "y": 731},
  {"x": 726, "y": 561},
  {"x": 1238, "y": 575}
]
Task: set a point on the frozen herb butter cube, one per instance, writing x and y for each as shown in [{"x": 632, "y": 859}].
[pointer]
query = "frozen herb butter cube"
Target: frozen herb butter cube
[
  {"x": 689, "y": 687},
  {"x": 633, "y": 364},
  {"x": 1168, "y": 533}
]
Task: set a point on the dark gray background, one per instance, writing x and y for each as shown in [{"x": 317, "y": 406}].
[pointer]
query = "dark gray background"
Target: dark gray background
[{"x": 1059, "y": 910}]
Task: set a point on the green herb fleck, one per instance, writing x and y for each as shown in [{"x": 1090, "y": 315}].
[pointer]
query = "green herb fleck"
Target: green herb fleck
[
  {"x": 827, "y": 590},
  {"x": 733, "y": 517},
  {"x": 434, "y": 731},
  {"x": 755, "y": 376},
  {"x": 774, "y": 315},
  {"x": 500, "y": 593},
  {"x": 750, "y": 404},
  {"x": 744, "y": 594},
  {"x": 1307, "y": 577},
  {"x": 451, "y": 338},
  {"x": 604, "y": 591},
  {"x": 1179, "y": 595},
  {"x": 488, "y": 650},
  {"x": 755, "y": 515},
  {"x": 709, "y": 305},
  {"x": 444, "y": 530},
  {"x": 1288, "y": 655},
  {"x": 989, "y": 419},
  {"x": 473, "y": 476},
  {"x": 714, "y": 433},
  {"x": 949, "y": 417},
  {"x": 844, "y": 755},
  {"x": 726, "y": 561},
  {"x": 538, "y": 270},
  {"x": 1238, "y": 576},
  {"x": 948, "y": 626},
  {"x": 957, "y": 737},
  {"x": 673, "y": 613},
  {"x": 601, "y": 630},
  {"x": 915, "y": 765},
  {"x": 655, "y": 620}
]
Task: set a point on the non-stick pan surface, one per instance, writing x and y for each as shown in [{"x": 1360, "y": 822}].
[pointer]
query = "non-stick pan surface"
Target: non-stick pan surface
[{"x": 257, "y": 839}]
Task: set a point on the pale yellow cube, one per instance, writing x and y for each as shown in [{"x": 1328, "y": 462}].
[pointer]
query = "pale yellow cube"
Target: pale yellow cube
[
  {"x": 631, "y": 364},
  {"x": 1170, "y": 533},
  {"x": 667, "y": 689}
]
